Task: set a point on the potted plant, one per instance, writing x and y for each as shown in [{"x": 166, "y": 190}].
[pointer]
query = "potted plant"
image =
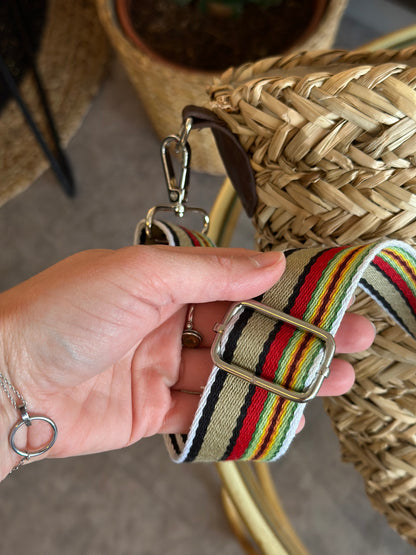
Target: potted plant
[{"x": 174, "y": 49}]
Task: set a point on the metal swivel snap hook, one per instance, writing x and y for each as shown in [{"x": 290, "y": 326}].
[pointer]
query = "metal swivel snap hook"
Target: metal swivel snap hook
[{"x": 177, "y": 187}]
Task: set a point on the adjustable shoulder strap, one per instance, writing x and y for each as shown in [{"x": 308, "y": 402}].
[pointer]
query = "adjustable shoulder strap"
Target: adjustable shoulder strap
[{"x": 273, "y": 353}]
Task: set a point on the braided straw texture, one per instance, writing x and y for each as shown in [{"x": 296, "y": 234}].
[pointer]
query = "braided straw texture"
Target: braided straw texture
[
  {"x": 332, "y": 139},
  {"x": 71, "y": 61},
  {"x": 165, "y": 88}
]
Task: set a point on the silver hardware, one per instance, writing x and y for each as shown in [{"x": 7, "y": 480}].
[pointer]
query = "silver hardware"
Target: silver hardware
[
  {"x": 151, "y": 214},
  {"x": 177, "y": 188},
  {"x": 24, "y": 415},
  {"x": 248, "y": 376},
  {"x": 185, "y": 131},
  {"x": 26, "y": 420},
  {"x": 10, "y": 390}
]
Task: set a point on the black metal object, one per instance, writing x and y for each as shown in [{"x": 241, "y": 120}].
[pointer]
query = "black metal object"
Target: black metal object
[
  {"x": 55, "y": 153},
  {"x": 35, "y": 12}
]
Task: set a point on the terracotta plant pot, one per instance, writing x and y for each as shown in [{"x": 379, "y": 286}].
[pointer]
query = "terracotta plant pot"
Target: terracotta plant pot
[{"x": 165, "y": 88}]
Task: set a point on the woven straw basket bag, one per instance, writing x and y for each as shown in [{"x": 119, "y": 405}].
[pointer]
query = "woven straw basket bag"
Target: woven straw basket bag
[{"x": 331, "y": 136}]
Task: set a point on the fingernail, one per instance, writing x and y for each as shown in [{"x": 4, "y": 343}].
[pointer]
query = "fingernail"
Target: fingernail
[{"x": 265, "y": 259}]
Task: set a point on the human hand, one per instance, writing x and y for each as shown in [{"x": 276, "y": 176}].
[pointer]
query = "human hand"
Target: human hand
[{"x": 94, "y": 342}]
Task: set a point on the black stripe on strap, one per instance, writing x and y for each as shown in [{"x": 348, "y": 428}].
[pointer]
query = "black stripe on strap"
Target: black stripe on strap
[
  {"x": 174, "y": 443},
  {"x": 382, "y": 301},
  {"x": 217, "y": 387},
  {"x": 262, "y": 358},
  {"x": 174, "y": 235}
]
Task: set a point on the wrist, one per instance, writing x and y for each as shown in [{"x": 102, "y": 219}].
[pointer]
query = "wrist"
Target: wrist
[
  {"x": 8, "y": 418},
  {"x": 19, "y": 397},
  {"x": 9, "y": 397}
]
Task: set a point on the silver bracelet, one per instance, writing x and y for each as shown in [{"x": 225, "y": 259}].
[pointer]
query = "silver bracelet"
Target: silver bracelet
[{"x": 19, "y": 403}]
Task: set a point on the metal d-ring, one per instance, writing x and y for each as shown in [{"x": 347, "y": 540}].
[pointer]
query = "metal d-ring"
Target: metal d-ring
[
  {"x": 178, "y": 211},
  {"x": 27, "y": 421}
]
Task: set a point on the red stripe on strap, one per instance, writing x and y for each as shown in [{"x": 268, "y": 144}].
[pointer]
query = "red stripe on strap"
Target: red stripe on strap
[
  {"x": 311, "y": 281},
  {"x": 291, "y": 370},
  {"x": 260, "y": 395},
  {"x": 195, "y": 241},
  {"x": 275, "y": 353},
  {"x": 403, "y": 263},
  {"x": 397, "y": 280}
]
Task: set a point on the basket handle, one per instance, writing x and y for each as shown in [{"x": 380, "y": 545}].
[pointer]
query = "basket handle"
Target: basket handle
[{"x": 234, "y": 157}]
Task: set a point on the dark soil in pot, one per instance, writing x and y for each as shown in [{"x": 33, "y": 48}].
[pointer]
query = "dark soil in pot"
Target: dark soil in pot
[{"x": 186, "y": 36}]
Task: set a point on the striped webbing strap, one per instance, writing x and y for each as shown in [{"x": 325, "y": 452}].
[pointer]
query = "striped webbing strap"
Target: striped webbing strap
[{"x": 239, "y": 420}]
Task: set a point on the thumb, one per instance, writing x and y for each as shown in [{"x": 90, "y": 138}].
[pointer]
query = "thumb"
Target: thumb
[{"x": 198, "y": 275}]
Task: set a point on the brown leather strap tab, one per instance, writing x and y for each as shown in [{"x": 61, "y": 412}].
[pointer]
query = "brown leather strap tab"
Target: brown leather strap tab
[{"x": 234, "y": 157}]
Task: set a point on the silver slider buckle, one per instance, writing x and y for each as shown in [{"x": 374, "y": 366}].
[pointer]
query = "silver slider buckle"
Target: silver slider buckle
[{"x": 248, "y": 376}]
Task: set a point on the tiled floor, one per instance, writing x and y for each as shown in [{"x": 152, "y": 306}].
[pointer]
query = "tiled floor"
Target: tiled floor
[{"x": 136, "y": 501}]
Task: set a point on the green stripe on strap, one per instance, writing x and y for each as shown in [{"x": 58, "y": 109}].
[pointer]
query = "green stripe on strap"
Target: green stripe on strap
[{"x": 237, "y": 420}]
